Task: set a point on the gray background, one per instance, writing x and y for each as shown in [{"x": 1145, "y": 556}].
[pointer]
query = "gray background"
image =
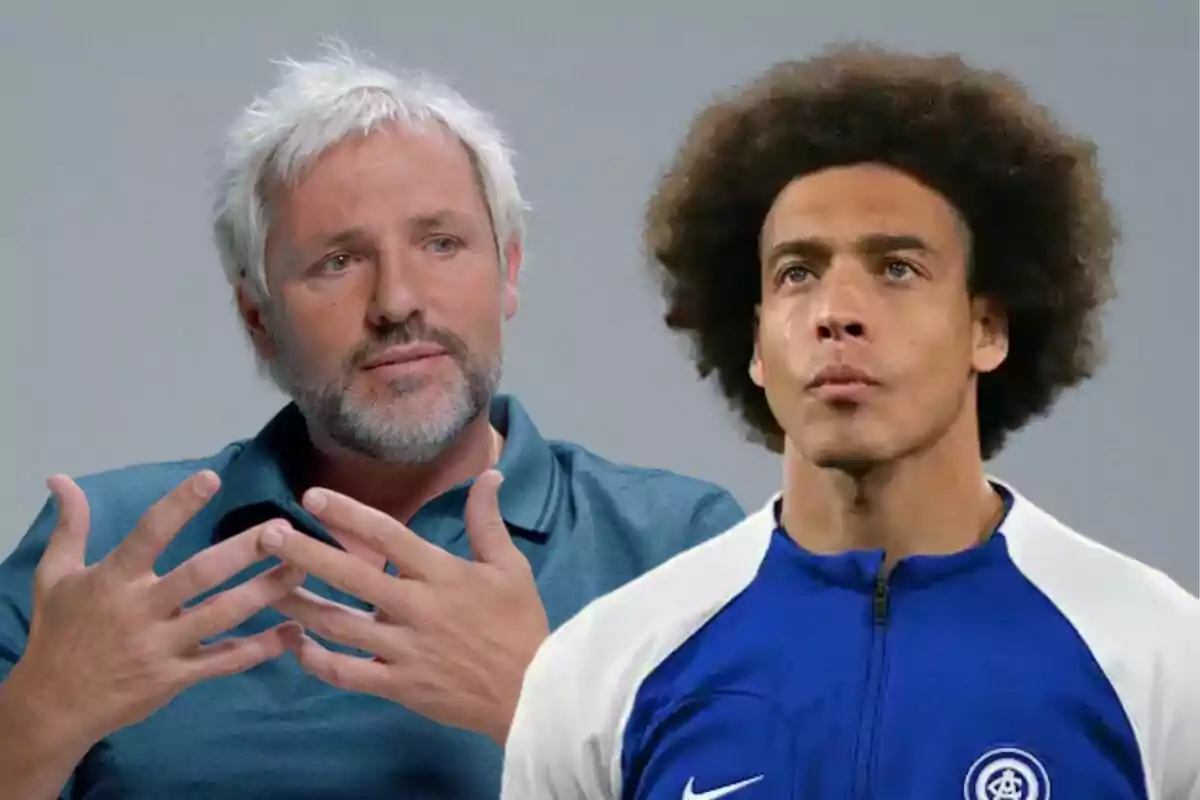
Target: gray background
[{"x": 120, "y": 338}]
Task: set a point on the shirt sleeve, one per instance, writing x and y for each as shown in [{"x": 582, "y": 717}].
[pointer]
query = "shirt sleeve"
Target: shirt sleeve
[
  {"x": 550, "y": 751},
  {"x": 717, "y": 514},
  {"x": 16, "y": 588},
  {"x": 1181, "y": 705}
]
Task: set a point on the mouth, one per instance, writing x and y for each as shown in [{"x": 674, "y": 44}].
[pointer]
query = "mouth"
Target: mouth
[
  {"x": 403, "y": 355},
  {"x": 841, "y": 383}
]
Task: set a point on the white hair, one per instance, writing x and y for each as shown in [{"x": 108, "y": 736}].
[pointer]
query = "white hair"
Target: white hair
[{"x": 319, "y": 103}]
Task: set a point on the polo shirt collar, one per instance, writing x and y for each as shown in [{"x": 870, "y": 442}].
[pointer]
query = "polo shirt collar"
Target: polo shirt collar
[{"x": 271, "y": 470}]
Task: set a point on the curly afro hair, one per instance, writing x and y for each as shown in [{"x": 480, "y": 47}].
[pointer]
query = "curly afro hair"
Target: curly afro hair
[{"x": 1042, "y": 232}]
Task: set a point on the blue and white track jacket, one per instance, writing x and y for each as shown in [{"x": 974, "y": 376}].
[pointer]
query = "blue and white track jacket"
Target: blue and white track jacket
[{"x": 1037, "y": 666}]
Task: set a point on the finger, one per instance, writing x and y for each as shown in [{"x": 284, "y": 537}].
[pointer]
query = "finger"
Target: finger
[
  {"x": 231, "y": 656},
  {"x": 413, "y": 556},
  {"x": 209, "y": 568},
  {"x": 67, "y": 545},
  {"x": 230, "y": 608},
  {"x": 336, "y": 567},
  {"x": 488, "y": 535},
  {"x": 159, "y": 525},
  {"x": 351, "y": 673},
  {"x": 315, "y": 599},
  {"x": 337, "y": 623}
]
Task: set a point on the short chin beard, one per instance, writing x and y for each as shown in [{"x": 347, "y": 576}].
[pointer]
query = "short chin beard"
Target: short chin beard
[
  {"x": 386, "y": 431},
  {"x": 366, "y": 431},
  {"x": 378, "y": 432}
]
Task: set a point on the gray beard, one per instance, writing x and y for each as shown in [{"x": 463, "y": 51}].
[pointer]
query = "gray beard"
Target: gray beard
[{"x": 384, "y": 430}]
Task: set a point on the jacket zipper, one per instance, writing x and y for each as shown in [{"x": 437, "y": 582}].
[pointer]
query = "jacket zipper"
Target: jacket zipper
[{"x": 873, "y": 695}]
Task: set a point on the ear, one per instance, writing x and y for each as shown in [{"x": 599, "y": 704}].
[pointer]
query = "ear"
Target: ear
[
  {"x": 990, "y": 326},
  {"x": 513, "y": 252},
  {"x": 250, "y": 308},
  {"x": 756, "y": 366}
]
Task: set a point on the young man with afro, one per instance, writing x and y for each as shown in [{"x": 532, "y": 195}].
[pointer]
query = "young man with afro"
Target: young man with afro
[{"x": 890, "y": 263}]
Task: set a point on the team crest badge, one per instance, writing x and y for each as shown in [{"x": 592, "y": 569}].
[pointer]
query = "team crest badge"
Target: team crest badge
[{"x": 1007, "y": 773}]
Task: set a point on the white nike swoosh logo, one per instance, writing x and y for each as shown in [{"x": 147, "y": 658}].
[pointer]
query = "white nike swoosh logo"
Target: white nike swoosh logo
[{"x": 689, "y": 791}]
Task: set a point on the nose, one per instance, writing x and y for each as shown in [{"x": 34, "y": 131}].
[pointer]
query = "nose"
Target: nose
[
  {"x": 396, "y": 295},
  {"x": 839, "y": 327},
  {"x": 841, "y": 313}
]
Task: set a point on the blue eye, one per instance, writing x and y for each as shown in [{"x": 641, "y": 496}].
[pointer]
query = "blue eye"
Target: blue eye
[
  {"x": 443, "y": 245},
  {"x": 336, "y": 262}
]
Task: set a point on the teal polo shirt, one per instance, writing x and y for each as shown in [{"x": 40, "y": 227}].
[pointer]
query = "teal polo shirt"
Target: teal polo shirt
[{"x": 586, "y": 524}]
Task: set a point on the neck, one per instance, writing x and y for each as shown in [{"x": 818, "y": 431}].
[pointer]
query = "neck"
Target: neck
[
  {"x": 400, "y": 490},
  {"x": 933, "y": 502}
]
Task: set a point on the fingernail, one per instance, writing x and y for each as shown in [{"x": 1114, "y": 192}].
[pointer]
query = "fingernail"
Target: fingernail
[
  {"x": 272, "y": 536},
  {"x": 315, "y": 499},
  {"x": 205, "y": 483}
]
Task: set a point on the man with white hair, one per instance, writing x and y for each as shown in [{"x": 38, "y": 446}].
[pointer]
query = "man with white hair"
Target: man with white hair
[{"x": 370, "y": 225}]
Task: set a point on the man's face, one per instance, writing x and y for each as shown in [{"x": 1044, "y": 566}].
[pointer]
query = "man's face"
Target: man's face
[
  {"x": 386, "y": 294},
  {"x": 868, "y": 342}
]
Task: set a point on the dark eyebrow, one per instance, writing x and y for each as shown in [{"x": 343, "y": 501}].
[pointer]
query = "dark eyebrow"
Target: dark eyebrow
[{"x": 872, "y": 244}]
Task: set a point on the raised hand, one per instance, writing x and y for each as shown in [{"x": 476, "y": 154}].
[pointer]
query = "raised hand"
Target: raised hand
[
  {"x": 111, "y": 643},
  {"x": 452, "y": 638}
]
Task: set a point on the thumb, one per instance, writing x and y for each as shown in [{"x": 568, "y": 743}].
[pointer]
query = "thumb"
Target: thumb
[
  {"x": 66, "y": 548},
  {"x": 486, "y": 531}
]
